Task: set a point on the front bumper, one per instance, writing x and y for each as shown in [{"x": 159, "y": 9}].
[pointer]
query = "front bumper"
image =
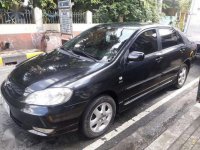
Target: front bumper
[
  {"x": 45, "y": 121},
  {"x": 30, "y": 122}
]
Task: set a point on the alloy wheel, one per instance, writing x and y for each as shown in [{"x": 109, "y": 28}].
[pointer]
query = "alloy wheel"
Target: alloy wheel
[
  {"x": 182, "y": 76},
  {"x": 101, "y": 117}
]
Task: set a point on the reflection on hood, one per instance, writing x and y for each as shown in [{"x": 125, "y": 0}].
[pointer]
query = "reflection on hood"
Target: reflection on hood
[{"x": 48, "y": 69}]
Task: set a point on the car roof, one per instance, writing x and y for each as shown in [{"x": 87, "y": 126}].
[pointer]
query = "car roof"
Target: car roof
[{"x": 134, "y": 25}]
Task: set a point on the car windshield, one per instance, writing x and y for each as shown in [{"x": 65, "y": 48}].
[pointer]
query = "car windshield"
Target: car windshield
[{"x": 100, "y": 43}]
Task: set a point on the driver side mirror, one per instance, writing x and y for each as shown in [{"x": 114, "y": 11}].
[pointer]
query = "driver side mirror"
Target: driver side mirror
[{"x": 136, "y": 56}]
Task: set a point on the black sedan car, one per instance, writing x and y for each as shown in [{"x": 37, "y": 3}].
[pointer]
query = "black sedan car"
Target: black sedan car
[{"x": 84, "y": 83}]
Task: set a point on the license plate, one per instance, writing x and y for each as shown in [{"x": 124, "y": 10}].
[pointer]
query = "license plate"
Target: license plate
[{"x": 5, "y": 105}]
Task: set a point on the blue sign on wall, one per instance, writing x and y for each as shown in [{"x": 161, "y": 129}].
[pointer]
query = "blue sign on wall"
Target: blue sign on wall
[
  {"x": 64, "y": 4},
  {"x": 65, "y": 15}
]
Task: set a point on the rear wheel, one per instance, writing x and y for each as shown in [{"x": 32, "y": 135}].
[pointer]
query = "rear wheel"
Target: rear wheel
[
  {"x": 98, "y": 116},
  {"x": 181, "y": 77}
]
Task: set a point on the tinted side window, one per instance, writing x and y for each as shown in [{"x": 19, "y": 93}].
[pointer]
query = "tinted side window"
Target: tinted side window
[
  {"x": 146, "y": 42},
  {"x": 169, "y": 38}
]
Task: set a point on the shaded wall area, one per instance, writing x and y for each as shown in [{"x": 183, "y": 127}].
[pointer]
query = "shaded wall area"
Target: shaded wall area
[{"x": 19, "y": 41}]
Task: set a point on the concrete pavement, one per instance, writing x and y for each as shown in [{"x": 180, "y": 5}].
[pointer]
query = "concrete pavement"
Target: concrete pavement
[
  {"x": 15, "y": 57},
  {"x": 183, "y": 134}
]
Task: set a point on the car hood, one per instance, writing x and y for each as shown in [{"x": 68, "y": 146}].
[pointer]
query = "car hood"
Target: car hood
[{"x": 48, "y": 69}]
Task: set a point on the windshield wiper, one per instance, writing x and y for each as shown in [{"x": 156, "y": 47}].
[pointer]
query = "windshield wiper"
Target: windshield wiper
[
  {"x": 68, "y": 50},
  {"x": 65, "y": 48},
  {"x": 85, "y": 54}
]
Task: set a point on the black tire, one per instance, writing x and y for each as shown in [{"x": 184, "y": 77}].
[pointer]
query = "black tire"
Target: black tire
[
  {"x": 89, "y": 113},
  {"x": 177, "y": 84}
]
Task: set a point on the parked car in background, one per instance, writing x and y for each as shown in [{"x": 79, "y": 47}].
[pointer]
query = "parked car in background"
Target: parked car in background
[
  {"x": 198, "y": 49},
  {"x": 86, "y": 82},
  {"x": 198, "y": 93},
  {"x": 196, "y": 40}
]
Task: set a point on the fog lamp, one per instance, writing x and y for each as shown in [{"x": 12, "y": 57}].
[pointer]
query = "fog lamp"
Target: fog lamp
[{"x": 46, "y": 131}]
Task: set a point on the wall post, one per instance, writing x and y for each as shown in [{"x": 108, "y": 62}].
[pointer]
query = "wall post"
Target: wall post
[
  {"x": 38, "y": 19},
  {"x": 88, "y": 17}
]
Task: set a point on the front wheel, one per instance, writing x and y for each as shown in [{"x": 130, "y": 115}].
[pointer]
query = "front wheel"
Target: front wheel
[
  {"x": 98, "y": 116},
  {"x": 181, "y": 77}
]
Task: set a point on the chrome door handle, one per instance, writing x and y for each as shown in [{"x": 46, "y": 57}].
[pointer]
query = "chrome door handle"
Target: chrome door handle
[
  {"x": 158, "y": 59},
  {"x": 182, "y": 49}
]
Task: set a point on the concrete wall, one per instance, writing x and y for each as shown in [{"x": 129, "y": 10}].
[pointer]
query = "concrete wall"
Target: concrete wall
[
  {"x": 28, "y": 36},
  {"x": 192, "y": 28}
]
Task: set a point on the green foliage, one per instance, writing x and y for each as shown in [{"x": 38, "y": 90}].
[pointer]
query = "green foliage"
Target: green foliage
[
  {"x": 7, "y": 4},
  {"x": 170, "y": 4},
  {"x": 151, "y": 9},
  {"x": 106, "y": 10},
  {"x": 46, "y": 4},
  {"x": 184, "y": 5},
  {"x": 118, "y": 10},
  {"x": 43, "y": 4},
  {"x": 84, "y": 5}
]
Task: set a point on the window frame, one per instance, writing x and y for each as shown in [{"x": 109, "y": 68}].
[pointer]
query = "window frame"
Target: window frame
[
  {"x": 141, "y": 32},
  {"x": 178, "y": 34},
  {"x": 160, "y": 38}
]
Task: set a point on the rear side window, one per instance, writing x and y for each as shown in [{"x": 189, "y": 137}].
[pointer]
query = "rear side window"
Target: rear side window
[
  {"x": 146, "y": 42},
  {"x": 169, "y": 38}
]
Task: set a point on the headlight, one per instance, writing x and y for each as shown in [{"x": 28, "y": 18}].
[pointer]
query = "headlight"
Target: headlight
[{"x": 49, "y": 97}]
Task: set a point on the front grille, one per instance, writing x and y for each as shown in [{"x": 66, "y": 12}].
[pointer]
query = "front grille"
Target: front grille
[{"x": 12, "y": 90}]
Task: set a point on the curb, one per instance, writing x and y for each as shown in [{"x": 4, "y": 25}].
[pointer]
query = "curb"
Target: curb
[
  {"x": 30, "y": 55},
  {"x": 1, "y": 61},
  {"x": 129, "y": 142},
  {"x": 17, "y": 58}
]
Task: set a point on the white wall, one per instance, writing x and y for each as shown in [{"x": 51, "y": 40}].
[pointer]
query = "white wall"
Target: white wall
[
  {"x": 32, "y": 28},
  {"x": 193, "y": 23}
]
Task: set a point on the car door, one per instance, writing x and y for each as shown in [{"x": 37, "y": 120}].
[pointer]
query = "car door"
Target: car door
[
  {"x": 141, "y": 77},
  {"x": 172, "y": 49}
]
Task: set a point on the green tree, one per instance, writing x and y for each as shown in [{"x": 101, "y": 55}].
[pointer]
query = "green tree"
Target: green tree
[
  {"x": 182, "y": 8},
  {"x": 171, "y": 4},
  {"x": 8, "y": 4},
  {"x": 43, "y": 4},
  {"x": 118, "y": 10},
  {"x": 184, "y": 5}
]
